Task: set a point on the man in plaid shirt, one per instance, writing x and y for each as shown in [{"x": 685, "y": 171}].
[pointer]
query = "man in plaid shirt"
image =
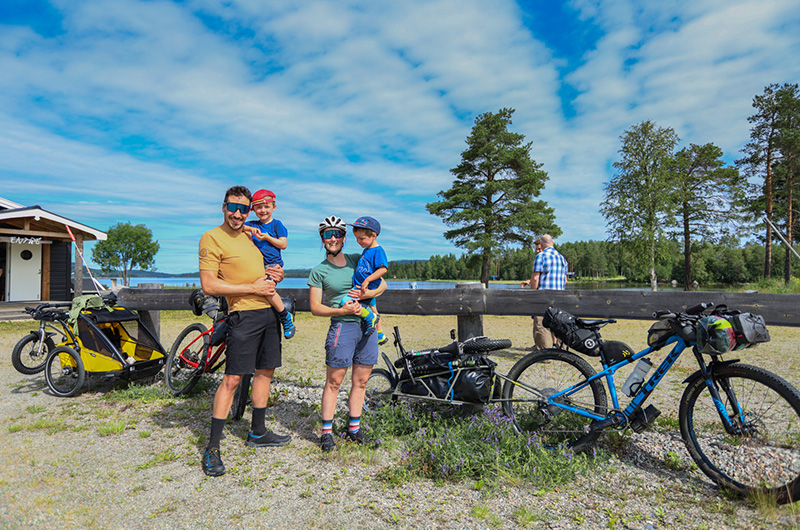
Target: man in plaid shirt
[{"x": 549, "y": 272}]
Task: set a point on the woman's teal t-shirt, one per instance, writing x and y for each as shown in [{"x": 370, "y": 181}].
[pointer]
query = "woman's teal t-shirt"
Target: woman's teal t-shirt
[{"x": 335, "y": 282}]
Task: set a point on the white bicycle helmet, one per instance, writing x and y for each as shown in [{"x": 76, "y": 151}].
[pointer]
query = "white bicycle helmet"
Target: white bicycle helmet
[{"x": 332, "y": 222}]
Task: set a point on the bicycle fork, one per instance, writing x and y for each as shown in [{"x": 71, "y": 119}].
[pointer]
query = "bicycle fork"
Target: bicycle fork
[{"x": 738, "y": 424}]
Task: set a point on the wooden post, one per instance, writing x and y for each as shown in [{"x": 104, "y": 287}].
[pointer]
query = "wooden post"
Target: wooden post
[
  {"x": 77, "y": 289},
  {"x": 152, "y": 318},
  {"x": 472, "y": 306}
]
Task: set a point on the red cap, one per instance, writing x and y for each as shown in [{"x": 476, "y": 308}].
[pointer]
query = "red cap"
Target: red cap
[{"x": 262, "y": 196}]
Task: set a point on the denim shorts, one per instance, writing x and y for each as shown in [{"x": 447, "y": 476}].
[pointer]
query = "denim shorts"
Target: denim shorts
[
  {"x": 253, "y": 341},
  {"x": 347, "y": 345}
]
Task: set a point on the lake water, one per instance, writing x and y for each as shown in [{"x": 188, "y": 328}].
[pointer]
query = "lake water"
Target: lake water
[{"x": 300, "y": 283}]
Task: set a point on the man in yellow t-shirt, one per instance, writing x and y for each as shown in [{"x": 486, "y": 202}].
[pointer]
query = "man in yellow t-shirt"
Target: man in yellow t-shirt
[{"x": 232, "y": 266}]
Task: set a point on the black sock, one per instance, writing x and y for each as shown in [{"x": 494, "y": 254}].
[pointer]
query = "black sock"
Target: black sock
[
  {"x": 258, "y": 425},
  {"x": 217, "y": 426}
]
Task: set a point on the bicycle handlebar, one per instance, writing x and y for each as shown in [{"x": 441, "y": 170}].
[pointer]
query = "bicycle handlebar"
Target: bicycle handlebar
[
  {"x": 699, "y": 308},
  {"x": 47, "y": 311}
]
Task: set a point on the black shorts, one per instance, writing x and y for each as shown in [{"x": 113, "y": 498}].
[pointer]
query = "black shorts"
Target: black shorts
[{"x": 253, "y": 341}]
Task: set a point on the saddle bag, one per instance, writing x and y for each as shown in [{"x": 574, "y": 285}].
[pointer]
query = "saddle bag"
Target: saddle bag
[{"x": 565, "y": 327}]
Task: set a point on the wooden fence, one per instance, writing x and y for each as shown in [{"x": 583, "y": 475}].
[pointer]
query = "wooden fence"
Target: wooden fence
[{"x": 470, "y": 301}]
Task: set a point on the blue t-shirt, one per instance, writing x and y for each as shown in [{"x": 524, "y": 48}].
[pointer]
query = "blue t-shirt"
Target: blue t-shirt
[
  {"x": 274, "y": 228},
  {"x": 371, "y": 260}
]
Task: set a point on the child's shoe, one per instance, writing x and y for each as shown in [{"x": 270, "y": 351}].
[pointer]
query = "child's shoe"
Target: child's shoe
[
  {"x": 327, "y": 443},
  {"x": 371, "y": 322},
  {"x": 382, "y": 338},
  {"x": 288, "y": 325}
]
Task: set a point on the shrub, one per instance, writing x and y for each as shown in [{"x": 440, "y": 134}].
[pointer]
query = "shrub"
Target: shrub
[{"x": 448, "y": 443}]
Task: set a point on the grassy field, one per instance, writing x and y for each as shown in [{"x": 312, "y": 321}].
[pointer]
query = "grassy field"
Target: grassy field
[{"x": 161, "y": 438}]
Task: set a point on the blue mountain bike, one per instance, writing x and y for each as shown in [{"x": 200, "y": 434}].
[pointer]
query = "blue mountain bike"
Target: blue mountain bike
[{"x": 740, "y": 423}]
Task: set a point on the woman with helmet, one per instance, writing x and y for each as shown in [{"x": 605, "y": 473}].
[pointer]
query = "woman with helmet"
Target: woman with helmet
[{"x": 347, "y": 345}]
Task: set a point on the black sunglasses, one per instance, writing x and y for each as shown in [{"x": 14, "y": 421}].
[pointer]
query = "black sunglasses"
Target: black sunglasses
[
  {"x": 236, "y": 207},
  {"x": 327, "y": 234}
]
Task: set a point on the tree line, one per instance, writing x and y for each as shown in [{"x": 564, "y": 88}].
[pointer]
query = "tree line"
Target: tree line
[
  {"x": 725, "y": 262},
  {"x": 676, "y": 212}
]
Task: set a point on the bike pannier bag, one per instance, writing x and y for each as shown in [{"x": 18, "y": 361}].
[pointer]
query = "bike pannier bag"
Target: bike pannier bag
[
  {"x": 566, "y": 329},
  {"x": 750, "y": 329},
  {"x": 715, "y": 335}
]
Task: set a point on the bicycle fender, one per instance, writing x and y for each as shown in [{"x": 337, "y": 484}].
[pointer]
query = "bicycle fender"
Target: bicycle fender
[
  {"x": 699, "y": 375},
  {"x": 38, "y": 334},
  {"x": 392, "y": 370}
]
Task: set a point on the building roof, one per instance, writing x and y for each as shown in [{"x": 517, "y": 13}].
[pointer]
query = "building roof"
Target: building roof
[
  {"x": 5, "y": 204},
  {"x": 33, "y": 221}
]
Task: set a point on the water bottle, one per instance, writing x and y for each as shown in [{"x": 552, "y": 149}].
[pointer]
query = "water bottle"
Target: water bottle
[{"x": 635, "y": 380}]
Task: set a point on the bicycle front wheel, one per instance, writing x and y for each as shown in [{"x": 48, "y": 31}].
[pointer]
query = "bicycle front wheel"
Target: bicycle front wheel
[
  {"x": 545, "y": 373},
  {"x": 30, "y": 354},
  {"x": 762, "y": 453},
  {"x": 379, "y": 389},
  {"x": 183, "y": 368}
]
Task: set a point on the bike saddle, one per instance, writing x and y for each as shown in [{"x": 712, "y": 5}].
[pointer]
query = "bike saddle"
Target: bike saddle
[
  {"x": 586, "y": 323},
  {"x": 450, "y": 348}
]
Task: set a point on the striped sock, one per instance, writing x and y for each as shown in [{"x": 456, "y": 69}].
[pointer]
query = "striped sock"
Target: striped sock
[
  {"x": 327, "y": 426},
  {"x": 355, "y": 424}
]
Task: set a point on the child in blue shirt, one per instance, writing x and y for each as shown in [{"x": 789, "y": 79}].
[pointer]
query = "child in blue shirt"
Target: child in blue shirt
[
  {"x": 370, "y": 268},
  {"x": 270, "y": 236}
]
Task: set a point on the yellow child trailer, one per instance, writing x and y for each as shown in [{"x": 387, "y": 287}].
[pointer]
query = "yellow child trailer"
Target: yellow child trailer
[{"x": 98, "y": 339}]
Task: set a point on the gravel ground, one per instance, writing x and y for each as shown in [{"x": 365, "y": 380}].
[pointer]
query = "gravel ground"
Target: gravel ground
[{"x": 60, "y": 468}]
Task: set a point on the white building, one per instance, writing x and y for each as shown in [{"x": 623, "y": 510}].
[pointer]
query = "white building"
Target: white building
[{"x": 36, "y": 252}]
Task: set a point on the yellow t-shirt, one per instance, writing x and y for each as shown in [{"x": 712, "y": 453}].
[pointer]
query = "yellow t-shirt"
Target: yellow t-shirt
[{"x": 236, "y": 260}]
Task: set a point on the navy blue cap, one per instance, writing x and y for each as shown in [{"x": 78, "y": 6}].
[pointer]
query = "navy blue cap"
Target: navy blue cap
[{"x": 368, "y": 222}]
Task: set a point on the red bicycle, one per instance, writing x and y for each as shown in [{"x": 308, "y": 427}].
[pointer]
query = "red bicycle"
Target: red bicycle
[{"x": 199, "y": 350}]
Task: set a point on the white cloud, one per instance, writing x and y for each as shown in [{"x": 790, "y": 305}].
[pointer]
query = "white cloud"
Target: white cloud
[{"x": 147, "y": 111}]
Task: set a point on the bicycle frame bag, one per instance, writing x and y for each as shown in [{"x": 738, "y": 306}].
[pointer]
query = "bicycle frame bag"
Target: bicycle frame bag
[
  {"x": 616, "y": 351},
  {"x": 750, "y": 329},
  {"x": 715, "y": 335},
  {"x": 220, "y": 332},
  {"x": 439, "y": 374},
  {"x": 564, "y": 326}
]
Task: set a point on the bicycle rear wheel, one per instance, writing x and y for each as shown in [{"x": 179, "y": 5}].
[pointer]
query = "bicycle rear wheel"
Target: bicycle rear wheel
[
  {"x": 30, "y": 354},
  {"x": 379, "y": 389},
  {"x": 762, "y": 456},
  {"x": 241, "y": 397},
  {"x": 545, "y": 373},
  {"x": 183, "y": 368}
]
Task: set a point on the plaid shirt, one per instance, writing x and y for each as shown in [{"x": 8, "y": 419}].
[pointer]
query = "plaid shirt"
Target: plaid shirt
[{"x": 552, "y": 269}]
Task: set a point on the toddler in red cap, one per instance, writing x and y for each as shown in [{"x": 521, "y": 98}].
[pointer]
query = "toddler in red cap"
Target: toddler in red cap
[{"x": 270, "y": 236}]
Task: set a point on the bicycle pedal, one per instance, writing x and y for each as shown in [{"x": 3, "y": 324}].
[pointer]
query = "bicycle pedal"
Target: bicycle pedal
[
  {"x": 644, "y": 418},
  {"x": 613, "y": 421}
]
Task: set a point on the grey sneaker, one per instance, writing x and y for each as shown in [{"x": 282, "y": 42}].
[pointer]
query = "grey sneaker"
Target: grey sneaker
[
  {"x": 268, "y": 439},
  {"x": 212, "y": 462},
  {"x": 327, "y": 443}
]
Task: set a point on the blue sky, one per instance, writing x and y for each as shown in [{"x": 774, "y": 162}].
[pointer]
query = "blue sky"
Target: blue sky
[{"x": 147, "y": 111}]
